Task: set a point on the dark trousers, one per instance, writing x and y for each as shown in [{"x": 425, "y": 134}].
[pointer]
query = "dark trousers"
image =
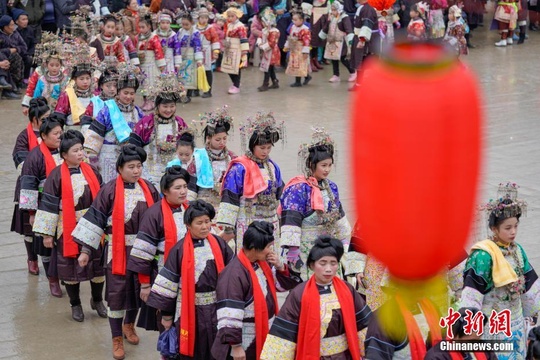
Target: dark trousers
[
  {"x": 36, "y": 28},
  {"x": 270, "y": 74},
  {"x": 345, "y": 62},
  {"x": 210, "y": 79},
  {"x": 16, "y": 67},
  {"x": 236, "y": 78}
]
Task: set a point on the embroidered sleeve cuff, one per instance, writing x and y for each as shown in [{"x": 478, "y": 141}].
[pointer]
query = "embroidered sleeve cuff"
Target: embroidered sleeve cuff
[
  {"x": 531, "y": 300},
  {"x": 365, "y": 33},
  {"x": 215, "y": 46},
  {"x": 26, "y": 100},
  {"x": 305, "y": 50},
  {"x": 88, "y": 233},
  {"x": 323, "y": 35},
  {"x": 228, "y": 214},
  {"x": 177, "y": 60},
  {"x": 278, "y": 348},
  {"x": 343, "y": 230},
  {"x": 93, "y": 141},
  {"x": 45, "y": 223},
  {"x": 244, "y": 46},
  {"x": 160, "y": 63},
  {"x": 353, "y": 263},
  {"x": 290, "y": 235},
  {"x": 349, "y": 38},
  {"x": 471, "y": 298},
  {"x": 199, "y": 56},
  {"x": 165, "y": 287},
  {"x": 135, "y": 61},
  {"x": 28, "y": 199}
]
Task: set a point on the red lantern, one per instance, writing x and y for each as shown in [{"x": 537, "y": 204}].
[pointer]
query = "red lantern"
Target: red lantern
[{"x": 416, "y": 148}]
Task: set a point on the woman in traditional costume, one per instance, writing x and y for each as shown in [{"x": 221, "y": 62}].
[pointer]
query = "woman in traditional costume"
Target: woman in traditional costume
[
  {"x": 157, "y": 133},
  {"x": 498, "y": 275},
  {"x": 246, "y": 295},
  {"x": 210, "y": 45},
  {"x": 67, "y": 195},
  {"x": 167, "y": 37},
  {"x": 185, "y": 289},
  {"x": 113, "y": 125},
  {"x": 188, "y": 54},
  {"x": 27, "y": 140},
  {"x": 161, "y": 228},
  {"x": 298, "y": 46},
  {"x": 235, "y": 52},
  {"x": 321, "y": 318},
  {"x": 310, "y": 204},
  {"x": 52, "y": 82},
  {"x": 116, "y": 213},
  {"x": 107, "y": 83},
  {"x": 252, "y": 185},
  {"x": 109, "y": 47},
  {"x": 38, "y": 165}
]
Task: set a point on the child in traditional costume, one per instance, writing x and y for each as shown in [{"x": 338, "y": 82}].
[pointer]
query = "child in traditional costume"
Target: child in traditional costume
[
  {"x": 188, "y": 55},
  {"x": 252, "y": 185},
  {"x": 236, "y": 47},
  {"x": 116, "y": 213},
  {"x": 185, "y": 289},
  {"x": 339, "y": 36},
  {"x": 157, "y": 132},
  {"x": 107, "y": 83},
  {"x": 151, "y": 57},
  {"x": 498, "y": 275},
  {"x": 298, "y": 46},
  {"x": 161, "y": 228},
  {"x": 455, "y": 33},
  {"x": 505, "y": 18},
  {"x": 310, "y": 204},
  {"x": 187, "y": 157},
  {"x": 130, "y": 51},
  {"x": 247, "y": 295},
  {"x": 270, "y": 53},
  {"x": 113, "y": 125},
  {"x": 436, "y": 18},
  {"x": 38, "y": 165},
  {"x": 321, "y": 318},
  {"x": 388, "y": 18},
  {"x": 67, "y": 195},
  {"x": 26, "y": 141},
  {"x": 210, "y": 42},
  {"x": 416, "y": 29},
  {"x": 167, "y": 37},
  {"x": 109, "y": 47}
]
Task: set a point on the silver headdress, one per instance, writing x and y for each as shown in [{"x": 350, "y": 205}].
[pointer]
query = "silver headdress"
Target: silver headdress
[
  {"x": 320, "y": 141},
  {"x": 264, "y": 125}
]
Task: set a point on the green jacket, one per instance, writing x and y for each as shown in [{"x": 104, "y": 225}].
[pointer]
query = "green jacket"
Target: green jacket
[{"x": 34, "y": 8}]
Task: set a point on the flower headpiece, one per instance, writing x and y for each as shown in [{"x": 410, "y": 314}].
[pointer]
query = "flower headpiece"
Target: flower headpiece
[
  {"x": 264, "y": 125},
  {"x": 301, "y": 10},
  {"x": 210, "y": 121},
  {"x": 82, "y": 22},
  {"x": 507, "y": 203},
  {"x": 50, "y": 47},
  {"x": 167, "y": 87},
  {"x": 234, "y": 8},
  {"x": 128, "y": 78},
  {"x": 320, "y": 141},
  {"x": 108, "y": 73},
  {"x": 268, "y": 17},
  {"x": 78, "y": 55},
  {"x": 423, "y": 8}
]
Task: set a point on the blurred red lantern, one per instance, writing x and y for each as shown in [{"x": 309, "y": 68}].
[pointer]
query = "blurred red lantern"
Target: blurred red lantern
[{"x": 416, "y": 141}]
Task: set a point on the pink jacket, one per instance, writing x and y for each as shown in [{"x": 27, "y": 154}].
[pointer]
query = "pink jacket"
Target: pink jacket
[{"x": 256, "y": 32}]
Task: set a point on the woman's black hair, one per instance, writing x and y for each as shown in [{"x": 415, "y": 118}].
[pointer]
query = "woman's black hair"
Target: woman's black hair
[
  {"x": 187, "y": 16},
  {"x": 263, "y": 138},
  {"x": 533, "y": 349},
  {"x": 148, "y": 20},
  {"x": 258, "y": 235},
  {"x": 300, "y": 14},
  {"x": 160, "y": 100},
  {"x": 317, "y": 154},
  {"x": 105, "y": 19},
  {"x": 498, "y": 216},
  {"x": 37, "y": 108},
  {"x": 186, "y": 139},
  {"x": 48, "y": 125},
  {"x": 198, "y": 208},
  {"x": 221, "y": 127},
  {"x": 80, "y": 71},
  {"x": 109, "y": 74},
  {"x": 172, "y": 174},
  {"x": 325, "y": 246},
  {"x": 130, "y": 152},
  {"x": 69, "y": 139},
  {"x": 458, "y": 328}
]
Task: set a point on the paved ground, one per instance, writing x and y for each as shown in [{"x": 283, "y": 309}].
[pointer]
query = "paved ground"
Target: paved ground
[{"x": 33, "y": 325}]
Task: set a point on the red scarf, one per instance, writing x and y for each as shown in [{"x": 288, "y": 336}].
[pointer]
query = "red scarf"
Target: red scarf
[
  {"x": 50, "y": 164},
  {"x": 261, "y": 307},
  {"x": 118, "y": 224},
  {"x": 69, "y": 220},
  {"x": 416, "y": 340},
  {"x": 309, "y": 328},
  {"x": 458, "y": 356},
  {"x": 169, "y": 225},
  {"x": 32, "y": 138},
  {"x": 254, "y": 182},
  {"x": 317, "y": 202},
  {"x": 187, "y": 313}
]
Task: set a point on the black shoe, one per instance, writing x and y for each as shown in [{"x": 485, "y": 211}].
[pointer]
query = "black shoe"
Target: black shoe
[
  {"x": 307, "y": 80},
  {"x": 10, "y": 95},
  {"x": 275, "y": 84},
  {"x": 207, "y": 94},
  {"x": 296, "y": 84},
  {"x": 4, "y": 84},
  {"x": 196, "y": 93},
  {"x": 263, "y": 87},
  {"x": 99, "y": 307},
  {"x": 186, "y": 100},
  {"x": 521, "y": 38},
  {"x": 77, "y": 313}
]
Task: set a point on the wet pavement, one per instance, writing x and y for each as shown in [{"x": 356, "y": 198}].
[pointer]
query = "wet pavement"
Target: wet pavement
[{"x": 34, "y": 325}]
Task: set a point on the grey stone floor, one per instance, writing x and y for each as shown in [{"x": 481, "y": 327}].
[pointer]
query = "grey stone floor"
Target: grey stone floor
[{"x": 33, "y": 325}]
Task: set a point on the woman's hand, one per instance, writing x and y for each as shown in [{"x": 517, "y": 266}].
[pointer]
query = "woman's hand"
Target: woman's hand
[
  {"x": 199, "y": 63},
  {"x": 273, "y": 259},
  {"x": 32, "y": 218},
  {"x": 145, "y": 292},
  {"x": 226, "y": 235},
  {"x": 48, "y": 242},
  {"x": 360, "y": 280},
  {"x": 238, "y": 353},
  {"x": 361, "y": 44},
  {"x": 83, "y": 259},
  {"x": 25, "y": 110}
]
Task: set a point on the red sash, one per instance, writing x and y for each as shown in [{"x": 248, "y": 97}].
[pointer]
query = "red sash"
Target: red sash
[
  {"x": 169, "y": 225},
  {"x": 118, "y": 224},
  {"x": 50, "y": 164},
  {"x": 309, "y": 328},
  {"x": 187, "y": 313},
  {"x": 71, "y": 249},
  {"x": 259, "y": 300},
  {"x": 32, "y": 138}
]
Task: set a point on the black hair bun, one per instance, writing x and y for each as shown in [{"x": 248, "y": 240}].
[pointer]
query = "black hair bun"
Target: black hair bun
[
  {"x": 72, "y": 134},
  {"x": 130, "y": 150},
  {"x": 38, "y": 102},
  {"x": 174, "y": 170},
  {"x": 223, "y": 124},
  {"x": 264, "y": 227},
  {"x": 187, "y": 137}
]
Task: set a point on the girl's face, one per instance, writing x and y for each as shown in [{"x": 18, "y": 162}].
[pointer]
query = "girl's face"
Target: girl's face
[
  {"x": 131, "y": 171},
  {"x": 186, "y": 24},
  {"x": 143, "y": 26},
  {"x": 53, "y": 67},
  {"x": 262, "y": 152},
  {"x": 414, "y": 14},
  {"x": 167, "y": 110},
  {"x": 83, "y": 82},
  {"x": 506, "y": 232},
  {"x": 119, "y": 30},
  {"x": 218, "y": 141},
  {"x": 325, "y": 269},
  {"x": 108, "y": 28},
  {"x": 335, "y": 13},
  {"x": 74, "y": 156},
  {"x": 322, "y": 169},
  {"x": 200, "y": 227},
  {"x": 220, "y": 23},
  {"x": 126, "y": 96},
  {"x": 52, "y": 139},
  {"x": 203, "y": 20},
  {"x": 164, "y": 25},
  {"x": 231, "y": 17},
  {"x": 177, "y": 194},
  {"x": 184, "y": 153},
  {"x": 297, "y": 20},
  {"x": 133, "y": 5},
  {"x": 109, "y": 89}
]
